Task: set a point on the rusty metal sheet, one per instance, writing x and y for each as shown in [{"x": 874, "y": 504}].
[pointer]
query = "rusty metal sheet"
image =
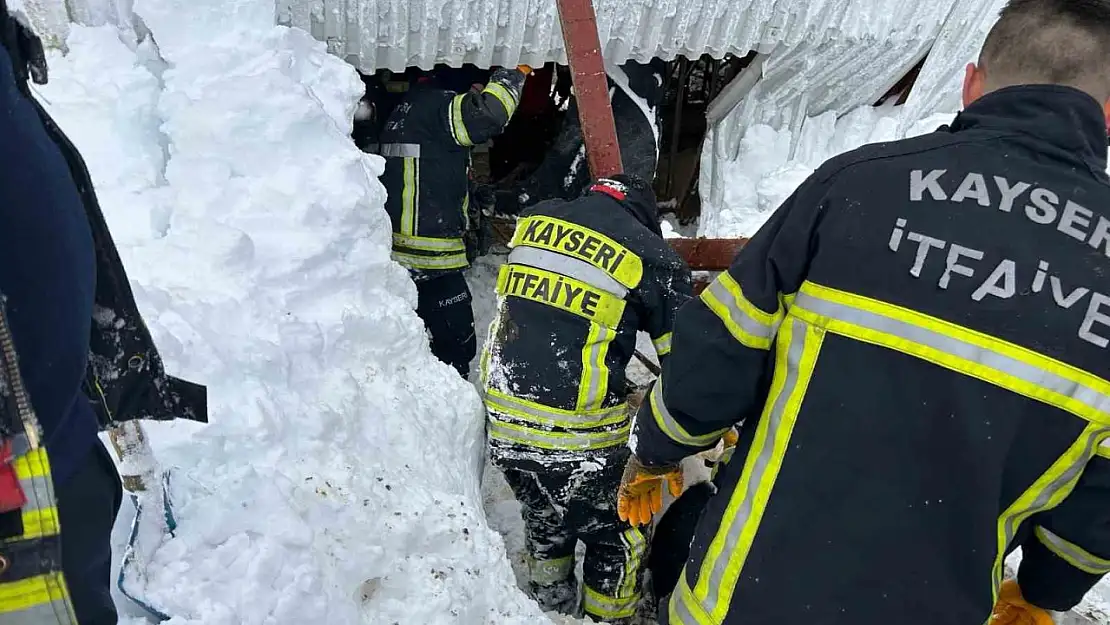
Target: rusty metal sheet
[
  {"x": 707, "y": 254},
  {"x": 591, "y": 90}
]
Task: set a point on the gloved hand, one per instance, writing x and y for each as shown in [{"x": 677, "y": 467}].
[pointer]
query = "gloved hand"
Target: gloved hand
[
  {"x": 1013, "y": 609},
  {"x": 730, "y": 437},
  {"x": 641, "y": 490}
]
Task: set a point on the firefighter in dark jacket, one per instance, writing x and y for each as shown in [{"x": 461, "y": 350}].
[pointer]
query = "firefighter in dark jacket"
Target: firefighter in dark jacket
[
  {"x": 426, "y": 143},
  {"x": 582, "y": 279},
  {"x": 85, "y": 359},
  {"x": 918, "y": 340}
]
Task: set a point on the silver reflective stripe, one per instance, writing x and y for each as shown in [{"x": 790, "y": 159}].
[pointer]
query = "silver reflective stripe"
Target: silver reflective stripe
[
  {"x": 547, "y": 572},
  {"x": 1073, "y": 554},
  {"x": 571, "y": 267},
  {"x": 400, "y": 150},
  {"x": 498, "y": 402},
  {"x": 428, "y": 244},
  {"x": 662, "y": 344},
  {"x": 596, "y": 373},
  {"x": 989, "y": 358},
  {"x": 635, "y": 545},
  {"x": 51, "y": 613},
  {"x": 372, "y": 148},
  {"x": 762, "y": 459},
  {"x": 678, "y": 610},
  {"x": 671, "y": 428},
  {"x": 39, "y": 491},
  {"x": 549, "y": 440},
  {"x": 737, "y": 315}
]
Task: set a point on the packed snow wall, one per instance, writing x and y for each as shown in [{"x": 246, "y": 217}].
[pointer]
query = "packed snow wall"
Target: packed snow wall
[{"x": 338, "y": 481}]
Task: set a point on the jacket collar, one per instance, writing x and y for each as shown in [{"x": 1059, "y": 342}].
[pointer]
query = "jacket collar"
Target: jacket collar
[{"x": 1067, "y": 121}]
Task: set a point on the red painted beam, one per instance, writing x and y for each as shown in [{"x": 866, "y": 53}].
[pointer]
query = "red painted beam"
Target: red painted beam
[
  {"x": 707, "y": 254},
  {"x": 590, "y": 87}
]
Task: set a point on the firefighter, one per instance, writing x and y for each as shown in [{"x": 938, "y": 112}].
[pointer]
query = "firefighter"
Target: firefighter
[
  {"x": 72, "y": 318},
  {"x": 918, "y": 340},
  {"x": 582, "y": 278},
  {"x": 426, "y": 143}
]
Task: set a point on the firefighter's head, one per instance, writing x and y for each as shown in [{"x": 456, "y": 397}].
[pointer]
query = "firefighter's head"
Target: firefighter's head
[
  {"x": 1045, "y": 42},
  {"x": 634, "y": 194}
]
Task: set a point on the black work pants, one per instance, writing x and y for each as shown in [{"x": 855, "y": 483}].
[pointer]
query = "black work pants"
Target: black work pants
[
  {"x": 444, "y": 304},
  {"x": 562, "y": 504},
  {"x": 87, "y": 506}
]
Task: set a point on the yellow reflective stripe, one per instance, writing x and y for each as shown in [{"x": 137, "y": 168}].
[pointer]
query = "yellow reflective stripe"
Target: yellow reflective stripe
[
  {"x": 672, "y": 428},
  {"x": 576, "y": 241},
  {"x": 416, "y": 261},
  {"x": 797, "y": 348},
  {"x": 410, "y": 195},
  {"x": 683, "y": 608},
  {"x": 547, "y": 572},
  {"x": 606, "y": 607},
  {"x": 1104, "y": 450},
  {"x": 503, "y": 95},
  {"x": 1072, "y": 553},
  {"x": 428, "y": 244},
  {"x": 40, "y": 522},
  {"x": 533, "y": 412},
  {"x": 458, "y": 127},
  {"x": 635, "y": 546},
  {"x": 959, "y": 349},
  {"x": 466, "y": 211},
  {"x": 1046, "y": 493},
  {"x": 36, "y": 600},
  {"x": 594, "y": 385},
  {"x": 562, "y": 292},
  {"x": 662, "y": 344},
  {"x": 34, "y": 463},
  {"x": 559, "y": 441},
  {"x": 746, "y": 323}
]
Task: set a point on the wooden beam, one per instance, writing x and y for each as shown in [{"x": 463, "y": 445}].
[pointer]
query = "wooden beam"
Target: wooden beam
[
  {"x": 707, "y": 254},
  {"x": 591, "y": 88}
]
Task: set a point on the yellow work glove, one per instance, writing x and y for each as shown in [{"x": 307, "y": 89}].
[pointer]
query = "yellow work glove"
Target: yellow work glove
[
  {"x": 641, "y": 491},
  {"x": 524, "y": 69},
  {"x": 1013, "y": 609},
  {"x": 731, "y": 437}
]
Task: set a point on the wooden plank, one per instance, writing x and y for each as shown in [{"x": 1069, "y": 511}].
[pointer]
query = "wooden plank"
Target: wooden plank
[{"x": 591, "y": 88}]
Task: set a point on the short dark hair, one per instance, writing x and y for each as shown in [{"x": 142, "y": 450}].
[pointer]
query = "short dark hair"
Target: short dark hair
[{"x": 1059, "y": 42}]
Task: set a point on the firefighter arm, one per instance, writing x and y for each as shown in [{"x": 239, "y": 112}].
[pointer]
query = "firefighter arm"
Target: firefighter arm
[
  {"x": 1068, "y": 551},
  {"x": 718, "y": 369},
  {"x": 673, "y": 289},
  {"x": 477, "y": 116}
]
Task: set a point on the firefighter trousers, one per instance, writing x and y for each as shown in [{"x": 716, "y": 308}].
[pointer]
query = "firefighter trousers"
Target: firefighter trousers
[
  {"x": 562, "y": 504},
  {"x": 444, "y": 304}
]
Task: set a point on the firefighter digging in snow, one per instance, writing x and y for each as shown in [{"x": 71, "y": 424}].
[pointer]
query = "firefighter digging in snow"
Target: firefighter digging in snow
[
  {"x": 582, "y": 278},
  {"x": 426, "y": 142},
  {"x": 915, "y": 345}
]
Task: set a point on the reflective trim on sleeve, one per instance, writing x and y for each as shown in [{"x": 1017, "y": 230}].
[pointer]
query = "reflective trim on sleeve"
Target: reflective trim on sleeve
[
  {"x": 1073, "y": 554},
  {"x": 959, "y": 349},
  {"x": 458, "y": 127},
  {"x": 428, "y": 244},
  {"x": 506, "y": 97},
  {"x": 1046, "y": 493},
  {"x": 532, "y": 412},
  {"x": 416, "y": 261},
  {"x": 797, "y": 348},
  {"x": 635, "y": 547},
  {"x": 1104, "y": 450},
  {"x": 548, "y": 572},
  {"x": 608, "y": 608},
  {"x": 567, "y": 266},
  {"x": 410, "y": 196},
  {"x": 594, "y": 385},
  {"x": 662, "y": 344},
  {"x": 400, "y": 150},
  {"x": 556, "y": 441},
  {"x": 748, "y": 324},
  {"x": 669, "y": 426}
]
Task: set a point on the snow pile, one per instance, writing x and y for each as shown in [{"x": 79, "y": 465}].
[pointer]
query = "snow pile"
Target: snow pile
[
  {"x": 770, "y": 163},
  {"x": 338, "y": 481}
]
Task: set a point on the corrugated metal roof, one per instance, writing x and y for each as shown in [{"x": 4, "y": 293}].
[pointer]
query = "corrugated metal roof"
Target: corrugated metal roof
[{"x": 398, "y": 33}]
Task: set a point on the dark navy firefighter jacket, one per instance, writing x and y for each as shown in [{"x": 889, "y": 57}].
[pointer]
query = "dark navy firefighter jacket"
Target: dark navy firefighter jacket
[{"x": 916, "y": 346}]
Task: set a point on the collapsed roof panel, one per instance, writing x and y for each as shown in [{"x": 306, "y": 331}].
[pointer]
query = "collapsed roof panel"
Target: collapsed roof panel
[{"x": 394, "y": 34}]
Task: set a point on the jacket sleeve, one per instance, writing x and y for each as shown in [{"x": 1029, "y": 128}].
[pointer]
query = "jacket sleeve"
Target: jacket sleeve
[
  {"x": 1068, "y": 550},
  {"x": 717, "y": 371},
  {"x": 674, "y": 288},
  {"x": 477, "y": 116}
]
